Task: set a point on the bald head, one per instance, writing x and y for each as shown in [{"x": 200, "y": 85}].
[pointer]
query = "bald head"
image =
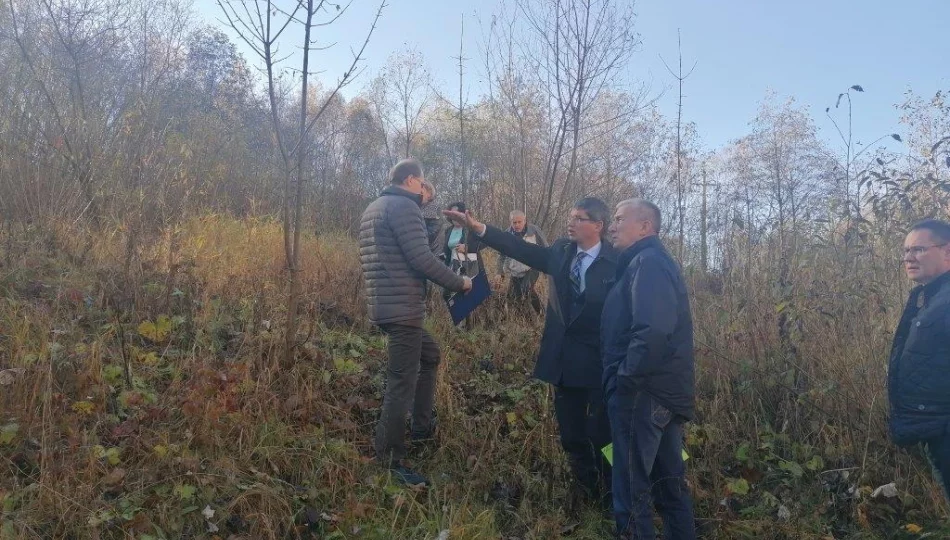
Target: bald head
[{"x": 634, "y": 220}]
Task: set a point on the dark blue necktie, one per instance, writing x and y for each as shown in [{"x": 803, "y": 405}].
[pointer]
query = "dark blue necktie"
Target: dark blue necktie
[{"x": 576, "y": 272}]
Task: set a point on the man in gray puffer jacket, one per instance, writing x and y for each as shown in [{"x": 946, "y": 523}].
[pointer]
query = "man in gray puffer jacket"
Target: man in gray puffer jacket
[{"x": 396, "y": 262}]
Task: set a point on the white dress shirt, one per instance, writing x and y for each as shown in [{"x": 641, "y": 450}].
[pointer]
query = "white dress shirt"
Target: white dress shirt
[{"x": 592, "y": 254}]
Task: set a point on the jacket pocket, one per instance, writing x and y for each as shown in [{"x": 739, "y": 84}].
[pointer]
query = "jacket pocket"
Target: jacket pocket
[
  {"x": 660, "y": 415},
  {"x": 925, "y": 335},
  {"x": 912, "y": 422}
]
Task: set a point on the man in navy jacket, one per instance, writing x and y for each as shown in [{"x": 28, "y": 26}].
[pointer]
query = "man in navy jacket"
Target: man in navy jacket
[
  {"x": 580, "y": 270},
  {"x": 647, "y": 343},
  {"x": 918, "y": 375}
]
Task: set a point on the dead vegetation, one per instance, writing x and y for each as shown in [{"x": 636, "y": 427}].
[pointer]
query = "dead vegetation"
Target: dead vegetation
[{"x": 126, "y": 414}]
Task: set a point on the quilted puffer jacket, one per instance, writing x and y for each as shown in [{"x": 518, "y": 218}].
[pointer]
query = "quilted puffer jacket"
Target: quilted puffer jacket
[{"x": 396, "y": 259}]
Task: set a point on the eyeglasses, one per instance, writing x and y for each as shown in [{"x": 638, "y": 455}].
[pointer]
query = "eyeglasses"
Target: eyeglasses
[
  {"x": 576, "y": 219},
  {"x": 917, "y": 251}
]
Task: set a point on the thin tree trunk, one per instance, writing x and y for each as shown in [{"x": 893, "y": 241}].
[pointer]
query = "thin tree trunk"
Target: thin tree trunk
[{"x": 293, "y": 256}]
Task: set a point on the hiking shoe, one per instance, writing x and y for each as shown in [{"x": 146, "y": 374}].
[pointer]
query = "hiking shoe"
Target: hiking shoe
[
  {"x": 408, "y": 477},
  {"x": 423, "y": 436}
]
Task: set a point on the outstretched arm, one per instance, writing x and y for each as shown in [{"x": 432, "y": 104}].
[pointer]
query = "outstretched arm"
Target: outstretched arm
[{"x": 509, "y": 245}]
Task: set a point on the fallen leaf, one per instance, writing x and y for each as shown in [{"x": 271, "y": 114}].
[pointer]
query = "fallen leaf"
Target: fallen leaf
[
  {"x": 84, "y": 408},
  {"x": 887, "y": 490},
  {"x": 8, "y": 432},
  {"x": 115, "y": 477},
  {"x": 8, "y": 376},
  {"x": 739, "y": 486},
  {"x": 125, "y": 429},
  {"x": 185, "y": 492}
]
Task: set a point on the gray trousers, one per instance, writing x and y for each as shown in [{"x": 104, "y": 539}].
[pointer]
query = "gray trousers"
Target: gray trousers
[{"x": 410, "y": 382}]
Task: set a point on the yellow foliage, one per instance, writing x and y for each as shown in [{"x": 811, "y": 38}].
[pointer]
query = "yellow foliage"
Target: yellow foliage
[
  {"x": 149, "y": 359},
  {"x": 84, "y": 408},
  {"x": 157, "y": 331}
]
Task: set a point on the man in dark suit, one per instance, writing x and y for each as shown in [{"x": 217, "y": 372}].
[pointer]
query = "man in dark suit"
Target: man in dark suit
[{"x": 581, "y": 269}]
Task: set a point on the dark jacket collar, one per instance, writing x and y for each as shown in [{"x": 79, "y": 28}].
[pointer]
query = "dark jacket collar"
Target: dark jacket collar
[
  {"x": 932, "y": 288},
  {"x": 400, "y": 192},
  {"x": 628, "y": 254},
  {"x": 607, "y": 251}
]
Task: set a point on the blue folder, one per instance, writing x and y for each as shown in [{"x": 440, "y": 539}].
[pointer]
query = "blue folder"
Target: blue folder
[{"x": 461, "y": 305}]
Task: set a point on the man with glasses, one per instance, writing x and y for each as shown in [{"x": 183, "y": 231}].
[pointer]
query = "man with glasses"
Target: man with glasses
[
  {"x": 918, "y": 375},
  {"x": 581, "y": 271}
]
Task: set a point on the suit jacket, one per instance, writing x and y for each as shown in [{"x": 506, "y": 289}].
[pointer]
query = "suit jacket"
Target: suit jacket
[{"x": 570, "y": 344}]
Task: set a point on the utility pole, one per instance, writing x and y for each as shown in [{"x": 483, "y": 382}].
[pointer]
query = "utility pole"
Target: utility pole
[
  {"x": 704, "y": 224},
  {"x": 463, "y": 177}
]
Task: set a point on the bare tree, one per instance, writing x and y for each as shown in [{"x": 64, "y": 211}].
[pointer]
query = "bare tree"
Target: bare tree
[
  {"x": 789, "y": 166},
  {"x": 680, "y": 184},
  {"x": 576, "y": 49},
  {"x": 262, "y": 25},
  {"x": 515, "y": 109},
  {"x": 77, "y": 46},
  {"x": 460, "y": 111},
  {"x": 704, "y": 223},
  {"x": 851, "y": 202},
  {"x": 401, "y": 94}
]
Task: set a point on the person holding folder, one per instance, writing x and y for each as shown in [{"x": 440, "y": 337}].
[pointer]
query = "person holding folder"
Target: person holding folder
[
  {"x": 460, "y": 252},
  {"x": 581, "y": 269}
]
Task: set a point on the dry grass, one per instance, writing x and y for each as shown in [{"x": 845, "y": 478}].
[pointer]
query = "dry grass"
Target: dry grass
[{"x": 112, "y": 429}]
